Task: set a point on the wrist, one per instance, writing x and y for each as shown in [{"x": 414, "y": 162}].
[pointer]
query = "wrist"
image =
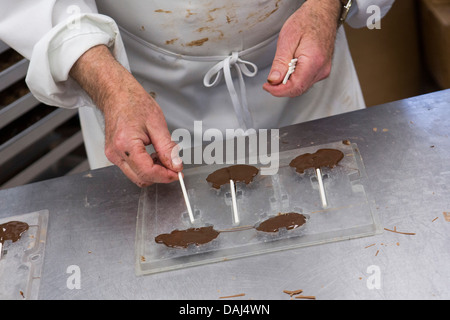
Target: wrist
[
  {"x": 333, "y": 9},
  {"x": 99, "y": 74}
]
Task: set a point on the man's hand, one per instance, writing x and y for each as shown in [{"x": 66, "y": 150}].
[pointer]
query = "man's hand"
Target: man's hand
[
  {"x": 133, "y": 119},
  {"x": 308, "y": 35}
]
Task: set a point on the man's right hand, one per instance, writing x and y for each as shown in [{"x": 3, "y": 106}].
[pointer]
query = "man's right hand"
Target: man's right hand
[{"x": 133, "y": 119}]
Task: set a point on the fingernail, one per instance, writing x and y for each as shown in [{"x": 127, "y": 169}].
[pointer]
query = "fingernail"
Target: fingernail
[
  {"x": 274, "y": 76},
  {"x": 176, "y": 161}
]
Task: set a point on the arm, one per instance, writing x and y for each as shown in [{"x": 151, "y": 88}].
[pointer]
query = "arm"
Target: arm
[
  {"x": 90, "y": 52},
  {"x": 24, "y": 23},
  {"x": 309, "y": 35},
  {"x": 133, "y": 119},
  {"x": 43, "y": 32}
]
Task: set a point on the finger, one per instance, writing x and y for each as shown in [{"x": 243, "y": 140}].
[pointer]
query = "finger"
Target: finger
[
  {"x": 133, "y": 159},
  {"x": 155, "y": 159},
  {"x": 299, "y": 82},
  {"x": 147, "y": 171},
  {"x": 313, "y": 65},
  {"x": 287, "y": 44},
  {"x": 125, "y": 168},
  {"x": 166, "y": 149},
  {"x": 139, "y": 181}
]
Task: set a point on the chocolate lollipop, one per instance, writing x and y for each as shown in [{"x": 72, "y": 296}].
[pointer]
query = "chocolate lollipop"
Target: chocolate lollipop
[
  {"x": 237, "y": 173},
  {"x": 231, "y": 175},
  {"x": 321, "y": 158}
]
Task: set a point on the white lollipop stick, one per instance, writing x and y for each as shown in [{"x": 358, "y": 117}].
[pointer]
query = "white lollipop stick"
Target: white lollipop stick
[
  {"x": 291, "y": 70},
  {"x": 1, "y": 250},
  {"x": 186, "y": 198},
  {"x": 321, "y": 188},
  {"x": 233, "y": 199}
]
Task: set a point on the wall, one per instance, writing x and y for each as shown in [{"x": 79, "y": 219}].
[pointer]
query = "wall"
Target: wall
[{"x": 389, "y": 60}]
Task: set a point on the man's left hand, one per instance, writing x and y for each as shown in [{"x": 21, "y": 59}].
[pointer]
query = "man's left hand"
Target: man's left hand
[{"x": 308, "y": 35}]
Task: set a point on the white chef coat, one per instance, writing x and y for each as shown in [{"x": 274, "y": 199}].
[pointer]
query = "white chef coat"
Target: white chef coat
[{"x": 202, "y": 60}]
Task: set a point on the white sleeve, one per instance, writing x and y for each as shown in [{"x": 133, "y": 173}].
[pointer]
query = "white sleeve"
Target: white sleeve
[
  {"x": 53, "y": 34},
  {"x": 361, "y": 11}
]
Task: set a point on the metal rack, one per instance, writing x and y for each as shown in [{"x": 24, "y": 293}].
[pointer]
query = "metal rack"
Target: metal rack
[{"x": 47, "y": 146}]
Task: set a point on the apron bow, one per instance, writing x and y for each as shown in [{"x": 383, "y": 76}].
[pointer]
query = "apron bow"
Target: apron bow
[{"x": 240, "y": 104}]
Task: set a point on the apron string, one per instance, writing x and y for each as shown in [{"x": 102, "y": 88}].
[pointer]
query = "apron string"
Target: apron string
[{"x": 240, "y": 103}]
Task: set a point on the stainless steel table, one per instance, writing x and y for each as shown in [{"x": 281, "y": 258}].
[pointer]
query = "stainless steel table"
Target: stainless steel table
[{"x": 405, "y": 146}]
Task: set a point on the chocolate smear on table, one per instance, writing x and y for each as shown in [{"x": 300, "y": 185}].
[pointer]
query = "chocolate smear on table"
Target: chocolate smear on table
[
  {"x": 289, "y": 221},
  {"x": 237, "y": 173},
  {"x": 322, "y": 158},
  {"x": 184, "y": 238},
  {"x": 12, "y": 230}
]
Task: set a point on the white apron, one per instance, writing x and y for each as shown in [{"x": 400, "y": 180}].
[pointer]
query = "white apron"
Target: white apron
[
  {"x": 196, "y": 57},
  {"x": 176, "y": 49}
]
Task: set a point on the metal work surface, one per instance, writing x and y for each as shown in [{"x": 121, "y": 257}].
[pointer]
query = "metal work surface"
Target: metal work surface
[{"x": 405, "y": 147}]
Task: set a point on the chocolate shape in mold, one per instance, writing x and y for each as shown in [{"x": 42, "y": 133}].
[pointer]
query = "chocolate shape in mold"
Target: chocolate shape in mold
[
  {"x": 288, "y": 221},
  {"x": 237, "y": 173},
  {"x": 184, "y": 238},
  {"x": 321, "y": 158}
]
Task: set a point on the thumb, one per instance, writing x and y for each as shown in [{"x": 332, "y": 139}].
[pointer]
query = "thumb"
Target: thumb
[
  {"x": 167, "y": 151},
  {"x": 280, "y": 65}
]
